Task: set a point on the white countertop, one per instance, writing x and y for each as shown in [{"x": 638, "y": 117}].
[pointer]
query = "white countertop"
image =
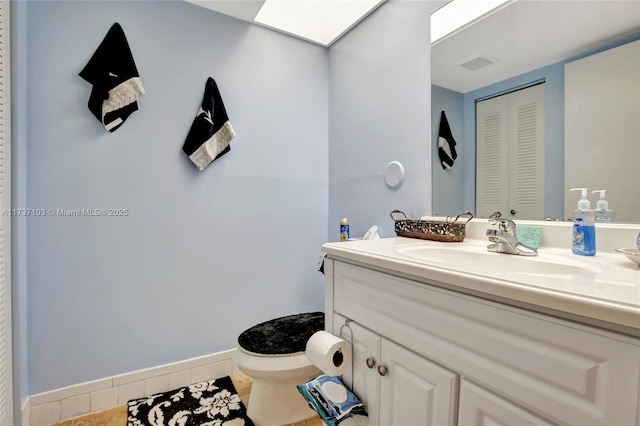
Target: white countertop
[{"x": 606, "y": 293}]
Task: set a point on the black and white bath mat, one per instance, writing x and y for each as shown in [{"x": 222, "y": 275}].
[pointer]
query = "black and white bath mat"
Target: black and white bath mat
[{"x": 212, "y": 403}]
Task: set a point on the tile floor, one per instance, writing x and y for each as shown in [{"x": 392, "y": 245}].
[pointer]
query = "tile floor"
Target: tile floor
[{"x": 118, "y": 416}]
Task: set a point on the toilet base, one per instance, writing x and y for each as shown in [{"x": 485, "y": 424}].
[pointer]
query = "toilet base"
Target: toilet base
[{"x": 277, "y": 402}]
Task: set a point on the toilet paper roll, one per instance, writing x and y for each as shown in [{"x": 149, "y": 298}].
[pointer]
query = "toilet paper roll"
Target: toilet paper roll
[{"x": 331, "y": 354}]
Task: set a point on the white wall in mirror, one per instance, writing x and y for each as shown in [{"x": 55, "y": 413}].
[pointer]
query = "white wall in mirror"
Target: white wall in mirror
[{"x": 602, "y": 129}]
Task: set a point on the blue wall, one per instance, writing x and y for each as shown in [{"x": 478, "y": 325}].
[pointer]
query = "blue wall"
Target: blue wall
[
  {"x": 18, "y": 198},
  {"x": 448, "y": 195},
  {"x": 553, "y": 76},
  {"x": 201, "y": 255},
  {"x": 461, "y": 179},
  {"x": 380, "y": 111}
]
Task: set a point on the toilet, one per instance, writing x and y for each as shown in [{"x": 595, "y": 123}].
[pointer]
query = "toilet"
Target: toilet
[{"x": 273, "y": 354}]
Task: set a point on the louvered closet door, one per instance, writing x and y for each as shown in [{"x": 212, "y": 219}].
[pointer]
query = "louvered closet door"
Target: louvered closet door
[
  {"x": 492, "y": 156},
  {"x": 510, "y": 155},
  {"x": 6, "y": 382},
  {"x": 526, "y": 153}
]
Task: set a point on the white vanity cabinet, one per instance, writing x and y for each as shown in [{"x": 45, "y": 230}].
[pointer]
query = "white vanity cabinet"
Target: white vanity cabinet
[
  {"x": 397, "y": 386},
  {"x": 469, "y": 360},
  {"x": 479, "y": 407}
]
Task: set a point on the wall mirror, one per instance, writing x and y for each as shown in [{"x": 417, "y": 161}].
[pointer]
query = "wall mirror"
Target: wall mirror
[{"x": 520, "y": 44}]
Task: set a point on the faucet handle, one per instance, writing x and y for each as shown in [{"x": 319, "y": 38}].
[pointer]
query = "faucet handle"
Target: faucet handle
[
  {"x": 494, "y": 219},
  {"x": 507, "y": 225},
  {"x": 503, "y": 224}
]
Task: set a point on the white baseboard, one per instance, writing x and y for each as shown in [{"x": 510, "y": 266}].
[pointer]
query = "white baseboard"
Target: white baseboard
[
  {"x": 84, "y": 398},
  {"x": 26, "y": 407}
]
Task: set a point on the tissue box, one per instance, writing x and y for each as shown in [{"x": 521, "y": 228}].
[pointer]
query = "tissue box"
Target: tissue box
[{"x": 331, "y": 399}]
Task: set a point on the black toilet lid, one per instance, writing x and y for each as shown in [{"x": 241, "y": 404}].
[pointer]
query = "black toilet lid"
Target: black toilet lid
[{"x": 282, "y": 336}]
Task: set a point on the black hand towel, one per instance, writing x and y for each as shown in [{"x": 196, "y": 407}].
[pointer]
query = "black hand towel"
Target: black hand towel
[
  {"x": 446, "y": 144},
  {"x": 115, "y": 79},
  {"x": 211, "y": 131}
]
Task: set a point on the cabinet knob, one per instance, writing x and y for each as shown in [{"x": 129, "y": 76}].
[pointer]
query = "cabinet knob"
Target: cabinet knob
[
  {"x": 382, "y": 370},
  {"x": 370, "y": 362}
]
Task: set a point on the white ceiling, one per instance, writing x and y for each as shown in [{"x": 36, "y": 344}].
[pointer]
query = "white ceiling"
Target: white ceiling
[
  {"x": 245, "y": 10},
  {"x": 522, "y": 36},
  {"x": 530, "y": 34}
]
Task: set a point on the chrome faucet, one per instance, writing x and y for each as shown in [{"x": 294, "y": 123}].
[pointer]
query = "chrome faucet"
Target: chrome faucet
[{"x": 504, "y": 240}]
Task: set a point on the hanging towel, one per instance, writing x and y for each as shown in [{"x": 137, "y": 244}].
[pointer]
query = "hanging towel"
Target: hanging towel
[
  {"x": 211, "y": 131},
  {"x": 446, "y": 144},
  {"x": 115, "y": 79}
]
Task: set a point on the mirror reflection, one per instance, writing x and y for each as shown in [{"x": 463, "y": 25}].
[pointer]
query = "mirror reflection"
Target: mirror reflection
[{"x": 523, "y": 152}]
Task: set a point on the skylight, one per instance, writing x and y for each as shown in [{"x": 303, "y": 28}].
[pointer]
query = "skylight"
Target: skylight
[
  {"x": 319, "y": 21},
  {"x": 457, "y": 14}
]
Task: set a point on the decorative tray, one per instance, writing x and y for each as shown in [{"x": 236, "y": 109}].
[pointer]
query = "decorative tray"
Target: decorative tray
[{"x": 449, "y": 229}]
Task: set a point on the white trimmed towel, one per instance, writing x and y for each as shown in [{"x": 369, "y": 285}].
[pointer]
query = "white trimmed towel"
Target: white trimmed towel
[
  {"x": 446, "y": 144},
  {"x": 115, "y": 79},
  {"x": 211, "y": 131}
]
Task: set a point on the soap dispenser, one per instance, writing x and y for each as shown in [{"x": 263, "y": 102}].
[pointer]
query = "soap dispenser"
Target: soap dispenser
[
  {"x": 584, "y": 230},
  {"x": 602, "y": 213}
]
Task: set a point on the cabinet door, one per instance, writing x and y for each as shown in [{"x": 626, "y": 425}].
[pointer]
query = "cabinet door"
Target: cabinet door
[
  {"x": 479, "y": 407},
  {"x": 415, "y": 391},
  {"x": 366, "y": 357}
]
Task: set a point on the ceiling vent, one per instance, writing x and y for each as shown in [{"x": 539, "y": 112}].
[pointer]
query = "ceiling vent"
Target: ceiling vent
[{"x": 477, "y": 62}]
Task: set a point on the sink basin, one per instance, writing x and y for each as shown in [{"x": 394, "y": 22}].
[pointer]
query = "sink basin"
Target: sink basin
[{"x": 478, "y": 258}]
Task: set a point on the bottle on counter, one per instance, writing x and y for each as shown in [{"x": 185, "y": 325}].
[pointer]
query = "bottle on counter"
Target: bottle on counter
[
  {"x": 584, "y": 231},
  {"x": 603, "y": 214},
  {"x": 344, "y": 229}
]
